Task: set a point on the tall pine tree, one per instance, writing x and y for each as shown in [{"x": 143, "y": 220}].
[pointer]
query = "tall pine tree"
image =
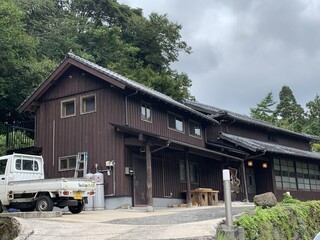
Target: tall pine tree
[
  {"x": 288, "y": 112},
  {"x": 263, "y": 109}
]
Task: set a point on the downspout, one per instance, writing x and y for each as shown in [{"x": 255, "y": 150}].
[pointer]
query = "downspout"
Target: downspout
[
  {"x": 160, "y": 148},
  {"x": 126, "y": 102},
  {"x": 156, "y": 150}
]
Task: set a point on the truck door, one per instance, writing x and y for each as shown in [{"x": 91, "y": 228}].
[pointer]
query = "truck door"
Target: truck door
[{"x": 3, "y": 180}]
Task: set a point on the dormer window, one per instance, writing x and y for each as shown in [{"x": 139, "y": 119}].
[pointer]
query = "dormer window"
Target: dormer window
[
  {"x": 145, "y": 111},
  {"x": 175, "y": 122}
]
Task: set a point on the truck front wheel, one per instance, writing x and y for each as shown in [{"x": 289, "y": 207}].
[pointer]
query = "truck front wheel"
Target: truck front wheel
[
  {"x": 44, "y": 203},
  {"x": 77, "y": 209}
]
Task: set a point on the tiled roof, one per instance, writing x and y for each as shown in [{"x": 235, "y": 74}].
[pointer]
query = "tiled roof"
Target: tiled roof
[
  {"x": 137, "y": 86},
  {"x": 218, "y": 112},
  {"x": 260, "y": 146},
  {"x": 117, "y": 77}
]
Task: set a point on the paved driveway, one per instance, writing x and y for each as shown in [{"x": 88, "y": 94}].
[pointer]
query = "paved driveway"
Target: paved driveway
[{"x": 166, "y": 223}]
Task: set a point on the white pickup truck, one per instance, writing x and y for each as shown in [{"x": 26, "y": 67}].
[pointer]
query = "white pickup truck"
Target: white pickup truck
[{"x": 22, "y": 186}]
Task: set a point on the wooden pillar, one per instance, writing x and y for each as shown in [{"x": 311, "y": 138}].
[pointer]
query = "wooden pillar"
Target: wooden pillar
[
  {"x": 244, "y": 181},
  {"x": 149, "y": 179},
  {"x": 188, "y": 194}
]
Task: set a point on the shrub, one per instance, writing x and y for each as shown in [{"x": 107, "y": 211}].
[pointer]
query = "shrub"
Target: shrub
[{"x": 291, "y": 219}]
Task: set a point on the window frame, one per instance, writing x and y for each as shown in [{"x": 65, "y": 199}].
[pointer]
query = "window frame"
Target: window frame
[
  {"x": 285, "y": 166},
  {"x": 3, "y": 166},
  {"x": 26, "y": 165},
  {"x": 68, "y": 158},
  {"x": 144, "y": 106},
  {"x": 63, "y": 107},
  {"x": 182, "y": 172},
  {"x": 176, "y": 116},
  {"x": 191, "y": 122},
  {"x": 82, "y": 105}
]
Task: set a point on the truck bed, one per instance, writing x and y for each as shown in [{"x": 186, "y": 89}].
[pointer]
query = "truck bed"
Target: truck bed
[{"x": 45, "y": 185}]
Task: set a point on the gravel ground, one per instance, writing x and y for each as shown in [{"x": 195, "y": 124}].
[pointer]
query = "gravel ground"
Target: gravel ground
[
  {"x": 186, "y": 216},
  {"x": 173, "y": 223}
]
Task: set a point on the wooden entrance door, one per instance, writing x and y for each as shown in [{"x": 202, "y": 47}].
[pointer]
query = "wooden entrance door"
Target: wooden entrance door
[
  {"x": 140, "y": 181},
  {"x": 251, "y": 183}
]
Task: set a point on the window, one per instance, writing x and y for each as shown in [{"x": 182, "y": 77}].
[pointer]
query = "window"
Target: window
[
  {"x": 183, "y": 171},
  {"x": 26, "y": 165},
  {"x": 314, "y": 175},
  {"x": 68, "y": 108},
  {"x": 303, "y": 176},
  {"x": 175, "y": 122},
  {"x": 308, "y": 176},
  {"x": 194, "y": 172},
  {"x": 285, "y": 175},
  {"x": 194, "y": 175},
  {"x": 146, "y": 111},
  {"x": 88, "y": 104},
  {"x": 194, "y": 129},
  {"x": 67, "y": 163},
  {"x": 3, "y": 164}
]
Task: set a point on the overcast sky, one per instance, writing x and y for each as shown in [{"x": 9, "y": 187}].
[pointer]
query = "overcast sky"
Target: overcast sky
[{"x": 243, "y": 49}]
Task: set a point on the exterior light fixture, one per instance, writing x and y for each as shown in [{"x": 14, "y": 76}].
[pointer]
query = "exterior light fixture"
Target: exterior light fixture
[
  {"x": 250, "y": 163},
  {"x": 265, "y": 165}
]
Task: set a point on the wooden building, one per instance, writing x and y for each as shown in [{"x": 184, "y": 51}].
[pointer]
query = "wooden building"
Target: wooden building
[
  {"x": 276, "y": 160},
  {"x": 83, "y": 107}
]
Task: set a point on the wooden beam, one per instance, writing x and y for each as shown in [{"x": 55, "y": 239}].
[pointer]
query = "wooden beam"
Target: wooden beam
[
  {"x": 133, "y": 142},
  {"x": 188, "y": 194},
  {"x": 142, "y": 137},
  {"x": 149, "y": 178}
]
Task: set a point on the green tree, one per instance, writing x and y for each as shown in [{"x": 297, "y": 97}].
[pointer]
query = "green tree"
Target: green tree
[
  {"x": 158, "y": 39},
  {"x": 20, "y": 72},
  {"x": 2, "y": 144},
  {"x": 288, "y": 112},
  {"x": 313, "y": 116},
  {"x": 263, "y": 109},
  {"x": 112, "y": 35},
  {"x": 55, "y": 28}
]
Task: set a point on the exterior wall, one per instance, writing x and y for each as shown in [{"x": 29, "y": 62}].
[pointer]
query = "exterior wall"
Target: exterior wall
[
  {"x": 297, "y": 192},
  {"x": 166, "y": 174},
  {"x": 93, "y": 133},
  {"x": 159, "y": 124},
  {"x": 84, "y": 132},
  {"x": 261, "y": 134}
]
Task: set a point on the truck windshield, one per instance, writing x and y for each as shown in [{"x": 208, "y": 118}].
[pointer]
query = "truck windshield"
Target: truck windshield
[{"x": 3, "y": 164}]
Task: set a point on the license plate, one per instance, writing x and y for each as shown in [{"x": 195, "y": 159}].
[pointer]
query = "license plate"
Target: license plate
[{"x": 77, "y": 195}]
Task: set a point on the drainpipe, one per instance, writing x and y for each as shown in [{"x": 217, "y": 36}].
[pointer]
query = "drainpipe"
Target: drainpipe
[
  {"x": 163, "y": 182},
  {"x": 126, "y": 102},
  {"x": 160, "y": 148}
]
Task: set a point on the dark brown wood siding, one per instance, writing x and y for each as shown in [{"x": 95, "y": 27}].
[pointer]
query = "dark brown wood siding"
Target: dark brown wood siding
[
  {"x": 166, "y": 174},
  {"x": 258, "y": 133},
  {"x": 90, "y": 132},
  {"x": 159, "y": 124}
]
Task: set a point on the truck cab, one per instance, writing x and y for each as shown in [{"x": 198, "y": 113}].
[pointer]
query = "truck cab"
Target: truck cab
[
  {"x": 18, "y": 167},
  {"x": 23, "y": 186}
]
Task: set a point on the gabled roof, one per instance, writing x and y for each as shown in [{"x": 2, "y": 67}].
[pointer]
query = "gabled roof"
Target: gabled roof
[
  {"x": 218, "y": 113},
  {"x": 108, "y": 76},
  {"x": 260, "y": 146}
]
